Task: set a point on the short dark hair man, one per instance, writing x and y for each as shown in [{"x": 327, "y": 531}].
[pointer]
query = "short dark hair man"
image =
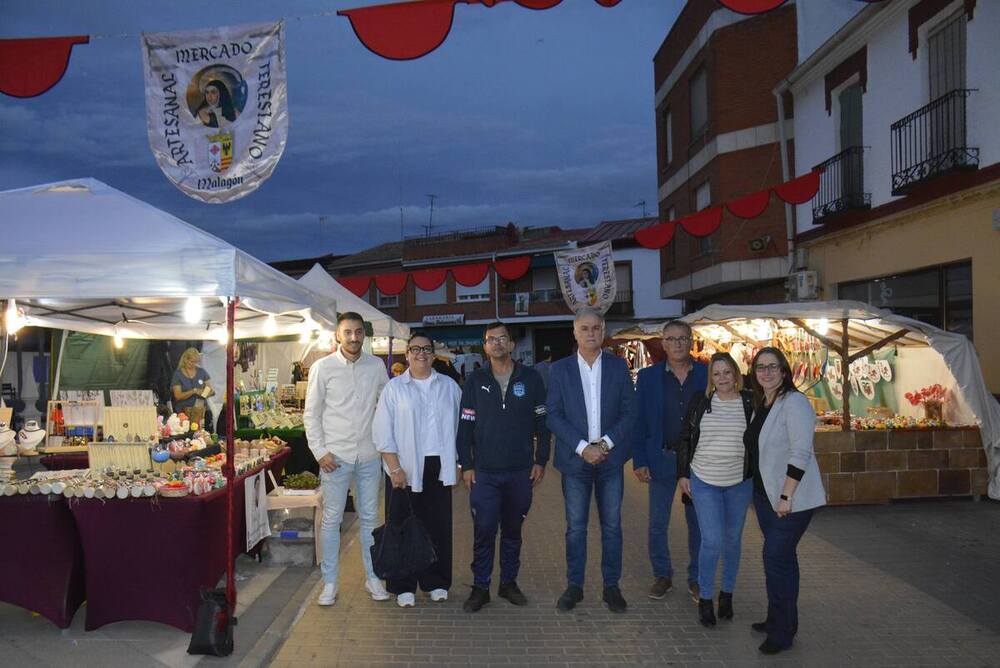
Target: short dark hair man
[
  {"x": 503, "y": 446},
  {"x": 663, "y": 392}
]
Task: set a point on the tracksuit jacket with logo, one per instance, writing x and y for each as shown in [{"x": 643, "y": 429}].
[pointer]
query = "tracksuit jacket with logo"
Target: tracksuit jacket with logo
[{"x": 497, "y": 431}]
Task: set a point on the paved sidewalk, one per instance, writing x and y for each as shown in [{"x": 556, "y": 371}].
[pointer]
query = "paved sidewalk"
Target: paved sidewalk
[{"x": 853, "y": 612}]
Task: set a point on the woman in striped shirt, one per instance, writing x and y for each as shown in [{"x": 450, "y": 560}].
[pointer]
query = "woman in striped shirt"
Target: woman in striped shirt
[{"x": 714, "y": 470}]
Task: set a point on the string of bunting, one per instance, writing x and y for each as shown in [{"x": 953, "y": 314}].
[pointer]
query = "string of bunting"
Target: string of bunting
[
  {"x": 796, "y": 191},
  {"x": 469, "y": 275}
]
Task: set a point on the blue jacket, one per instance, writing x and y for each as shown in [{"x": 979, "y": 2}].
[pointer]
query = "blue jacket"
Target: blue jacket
[
  {"x": 567, "y": 411},
  {"x": 503, "y": 432},
  {"x": 648, "y": 438}
]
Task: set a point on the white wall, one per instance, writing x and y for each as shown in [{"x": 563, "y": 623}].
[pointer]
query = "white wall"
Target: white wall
[
  {"x": 646, "y": 284},
  {"x": 817, "y": 20},
  {"x": 897, "y": 86}
]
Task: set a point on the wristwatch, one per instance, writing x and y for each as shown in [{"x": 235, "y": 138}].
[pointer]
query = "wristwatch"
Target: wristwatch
[
  {"x": 784, "y": 497},
  {"x": 603, "y": 445}
]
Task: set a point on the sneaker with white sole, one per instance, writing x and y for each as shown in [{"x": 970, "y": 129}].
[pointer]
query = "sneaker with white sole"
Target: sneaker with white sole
[
  {"x": 375, "y": 588},
  {"x": 328, "y": 595},
  {"x": 438, "y": 595},
  {"x": 407, "y": 600}
]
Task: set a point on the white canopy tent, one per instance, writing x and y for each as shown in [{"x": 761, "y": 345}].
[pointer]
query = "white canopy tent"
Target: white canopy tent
[
  {"x": 868, "y": 328},
  {"x": 319, "y": 281},
  {"x": 82, "y": 256}
]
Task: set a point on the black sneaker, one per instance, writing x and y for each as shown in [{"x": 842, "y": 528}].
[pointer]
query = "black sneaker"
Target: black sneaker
[
  {"x": 759, "y": 627},
  {"x": 478, "y": 597},
  {"x": 511, "y": 592},
  {"x": 569, "y": 598},
  {"x": 614, "y": 600}
]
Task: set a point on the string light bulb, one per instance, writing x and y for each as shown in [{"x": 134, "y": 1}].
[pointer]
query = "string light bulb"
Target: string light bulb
[
  {"x": 270, "y": 325},
  {"x": 14, "y": 317},
  {"x": 192, "y": 310}
]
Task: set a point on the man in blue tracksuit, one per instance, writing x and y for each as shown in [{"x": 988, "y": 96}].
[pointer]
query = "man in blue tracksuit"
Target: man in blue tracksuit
[{"x": 503, "y": 446}]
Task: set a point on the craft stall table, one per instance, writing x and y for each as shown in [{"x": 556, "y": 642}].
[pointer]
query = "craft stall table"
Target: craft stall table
[
  {"x": 41, "y": 563},
  {"x": 301, "y": 458},
  {"x": 156, "y": 571},
  {"x": 65, "y": 461}
]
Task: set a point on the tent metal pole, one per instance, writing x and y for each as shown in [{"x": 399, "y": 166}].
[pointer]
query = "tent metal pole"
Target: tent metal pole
[
  {"x": 845, "y": 357},
  {"x": 388, "y": 364},
  {"x": 230, "y": 467}
]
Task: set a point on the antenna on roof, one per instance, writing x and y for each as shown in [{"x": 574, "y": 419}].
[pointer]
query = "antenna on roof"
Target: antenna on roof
[
  {"x": 641, "y": 203},
  {"x": 430, "y": 220}
]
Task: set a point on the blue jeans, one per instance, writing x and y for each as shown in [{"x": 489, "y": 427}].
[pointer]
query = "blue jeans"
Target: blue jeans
[
  {"x": 781, "y": 568},
  {"x": 366, "y": 476},
  {"x": 661, "y": 500},
  {"x": 498, "y": 499},
  {"x": 608, "y": 485},
  {"x": 722, "y": 511}
]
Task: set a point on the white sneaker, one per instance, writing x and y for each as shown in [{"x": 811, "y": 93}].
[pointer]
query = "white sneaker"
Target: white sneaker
[
  {"x": 328, "y": 595},
  {"x": 439, "y": 595},
  {"x": 407, "y": 600},
  {"x": 375, "y": 588}
]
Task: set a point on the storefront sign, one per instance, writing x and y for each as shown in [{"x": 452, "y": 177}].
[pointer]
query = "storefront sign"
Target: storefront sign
[
  {"x": 587, "y": 277},
  {"x": 255, "y": 496},
  {"x": 216, "y": 107},
  {"x": 444, "y": 319}
]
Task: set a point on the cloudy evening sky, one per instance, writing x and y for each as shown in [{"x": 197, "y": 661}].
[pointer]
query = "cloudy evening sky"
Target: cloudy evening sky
[{"x": 539, "y": 117}]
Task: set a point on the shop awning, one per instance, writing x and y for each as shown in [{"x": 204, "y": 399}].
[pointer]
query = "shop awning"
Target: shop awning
[{"x": 457, "y": 335}]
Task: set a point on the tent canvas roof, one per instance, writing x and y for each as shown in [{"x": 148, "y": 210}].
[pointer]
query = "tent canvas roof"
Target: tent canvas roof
[
  {"x": 84, "y": 256},
  {"x": 319, "y": 281}
]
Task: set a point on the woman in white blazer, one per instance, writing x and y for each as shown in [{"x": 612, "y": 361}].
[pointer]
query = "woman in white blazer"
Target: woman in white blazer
[{"x": 787, "y": 487}]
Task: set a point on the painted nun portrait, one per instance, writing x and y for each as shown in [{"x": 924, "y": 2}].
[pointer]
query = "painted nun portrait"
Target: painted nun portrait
[{"x": 217, "y": 111}]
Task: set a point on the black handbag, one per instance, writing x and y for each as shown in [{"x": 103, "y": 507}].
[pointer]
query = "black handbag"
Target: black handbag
[
  {"x": 402, "y": 545},
  {"x": 213, "y": 625}
]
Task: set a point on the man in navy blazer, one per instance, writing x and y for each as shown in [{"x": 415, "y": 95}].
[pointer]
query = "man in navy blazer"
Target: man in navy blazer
[
  {"x": 591, "y": 411},
  {"x": 663, "y": 392}
]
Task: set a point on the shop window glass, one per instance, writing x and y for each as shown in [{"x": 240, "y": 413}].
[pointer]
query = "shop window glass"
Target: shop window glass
[{"x": 432, "y": 297}]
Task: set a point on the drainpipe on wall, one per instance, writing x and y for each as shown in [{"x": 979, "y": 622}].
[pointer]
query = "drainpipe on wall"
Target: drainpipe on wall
[{"x": 785, "y": 173}]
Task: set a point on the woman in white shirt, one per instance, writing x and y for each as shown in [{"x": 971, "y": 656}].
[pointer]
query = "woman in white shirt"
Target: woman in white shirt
[
  {"x": 713, "y": 468},
  {"x": 415, "y": 426}
]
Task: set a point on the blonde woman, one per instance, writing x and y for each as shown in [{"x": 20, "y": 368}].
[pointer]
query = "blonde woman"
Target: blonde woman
[
  {"x": 714, "y": 469},
  {"x": 191, "y": 384}
]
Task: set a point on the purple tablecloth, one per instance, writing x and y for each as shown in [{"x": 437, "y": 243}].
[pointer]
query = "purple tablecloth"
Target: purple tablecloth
[
  {"x": 62, "y": 462},
  {"x": 147, "y": 559},
  {"x": 41, "y": 558}
]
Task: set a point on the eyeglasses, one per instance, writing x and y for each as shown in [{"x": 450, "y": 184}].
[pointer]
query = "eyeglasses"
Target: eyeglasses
[
  {"x": 677, "y": 340},
  {"x": 502, "y": 339},
  {"x": 767, "y": 368},
  {"x": 416, "y": 350}
]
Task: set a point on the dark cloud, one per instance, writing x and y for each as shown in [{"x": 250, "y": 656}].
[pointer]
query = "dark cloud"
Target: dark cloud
[{"x": 543, "y": 118}]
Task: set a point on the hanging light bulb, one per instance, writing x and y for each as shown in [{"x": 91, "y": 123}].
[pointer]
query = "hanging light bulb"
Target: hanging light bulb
[
  {"x": 823, "y": 326},
  {"x": 270, "y": 325},
  {"x": 119, "y": 341},
  {"x": 221, "y": 335},
  {"x": 192, "y": 310},
  {"x": 14, "y": 317},
  {"x": 325, "y": 340}
]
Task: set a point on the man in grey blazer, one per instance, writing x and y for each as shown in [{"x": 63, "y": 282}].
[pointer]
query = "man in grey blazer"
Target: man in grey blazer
[{"x": 591, "y": 410}]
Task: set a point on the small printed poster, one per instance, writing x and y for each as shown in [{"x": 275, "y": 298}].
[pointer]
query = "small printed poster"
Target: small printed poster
[
  {"x": 217, "y": 107},
  {"x": 258, "y": 528}
]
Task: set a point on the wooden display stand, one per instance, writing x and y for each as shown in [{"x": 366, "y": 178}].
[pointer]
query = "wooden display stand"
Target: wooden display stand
[
  {"x": 278, "y": 500},
  {"x": 118, "y": 456},
  {"x": 130, "y": 423}
]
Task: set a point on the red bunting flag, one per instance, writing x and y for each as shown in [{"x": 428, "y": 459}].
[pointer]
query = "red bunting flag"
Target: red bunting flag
[
  {"x": 470, "y": 275},
  {"x": 703, "y": 223},
  {"x": 356, "y": 284},
  {"x": 429, "y": 279},
  {"x": 391, "y": 284},
  {"x": 29, "y": 67},
  {"x": 800, "y": 190},
  {"x": 513, "y": 268},
  {"x": 656, "y": 236}
]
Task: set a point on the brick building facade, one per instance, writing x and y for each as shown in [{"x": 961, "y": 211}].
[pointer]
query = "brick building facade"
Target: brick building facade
[{"x": 717, "y": 140}]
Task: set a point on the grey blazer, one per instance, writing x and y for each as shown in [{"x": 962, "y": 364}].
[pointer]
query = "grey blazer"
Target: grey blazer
[{"x": 787, "y": 438}]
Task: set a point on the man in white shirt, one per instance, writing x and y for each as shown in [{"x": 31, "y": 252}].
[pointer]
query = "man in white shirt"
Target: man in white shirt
[
  {"x": 343, "y": 391},
  {"x": 591, "y": 411}
]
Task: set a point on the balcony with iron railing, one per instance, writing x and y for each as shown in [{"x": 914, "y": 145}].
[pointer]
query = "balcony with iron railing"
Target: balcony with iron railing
[
  {"x": 841, "y": 185},
  {"x": 931, "y": 142}
]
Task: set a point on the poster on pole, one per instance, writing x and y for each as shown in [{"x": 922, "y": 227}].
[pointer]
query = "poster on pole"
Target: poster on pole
[
  {"x": 217, "y": 107},
  {"x": 587, "y": 277},
  {"x": 255, "y": 498}
]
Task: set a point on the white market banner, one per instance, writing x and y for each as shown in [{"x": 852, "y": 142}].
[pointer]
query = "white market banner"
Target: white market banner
[
  {"x": 255, "y": 499},
  {"x": 217, "y": 107},
  {"x": 587, "y": 277}
]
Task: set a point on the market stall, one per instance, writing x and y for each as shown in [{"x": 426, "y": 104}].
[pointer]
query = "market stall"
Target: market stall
[
  {"x": 89, "y": 258},
  {"x": 902, "y": 406}
]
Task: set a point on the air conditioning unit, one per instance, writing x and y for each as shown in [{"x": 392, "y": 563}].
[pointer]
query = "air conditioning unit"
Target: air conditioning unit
[{"x": 803, "y": 285}]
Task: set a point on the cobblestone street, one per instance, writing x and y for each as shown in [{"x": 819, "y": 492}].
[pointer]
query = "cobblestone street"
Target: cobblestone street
[{"x": 901, "y": 585}]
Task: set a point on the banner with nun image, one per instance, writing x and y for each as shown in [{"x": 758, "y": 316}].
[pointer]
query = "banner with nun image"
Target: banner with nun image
[
  {"x": 217, "y": 107},
  {"x": 587, "y": 277}
]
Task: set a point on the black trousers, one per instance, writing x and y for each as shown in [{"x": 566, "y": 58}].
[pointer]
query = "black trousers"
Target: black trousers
[{"x": 432, "y": 506}]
